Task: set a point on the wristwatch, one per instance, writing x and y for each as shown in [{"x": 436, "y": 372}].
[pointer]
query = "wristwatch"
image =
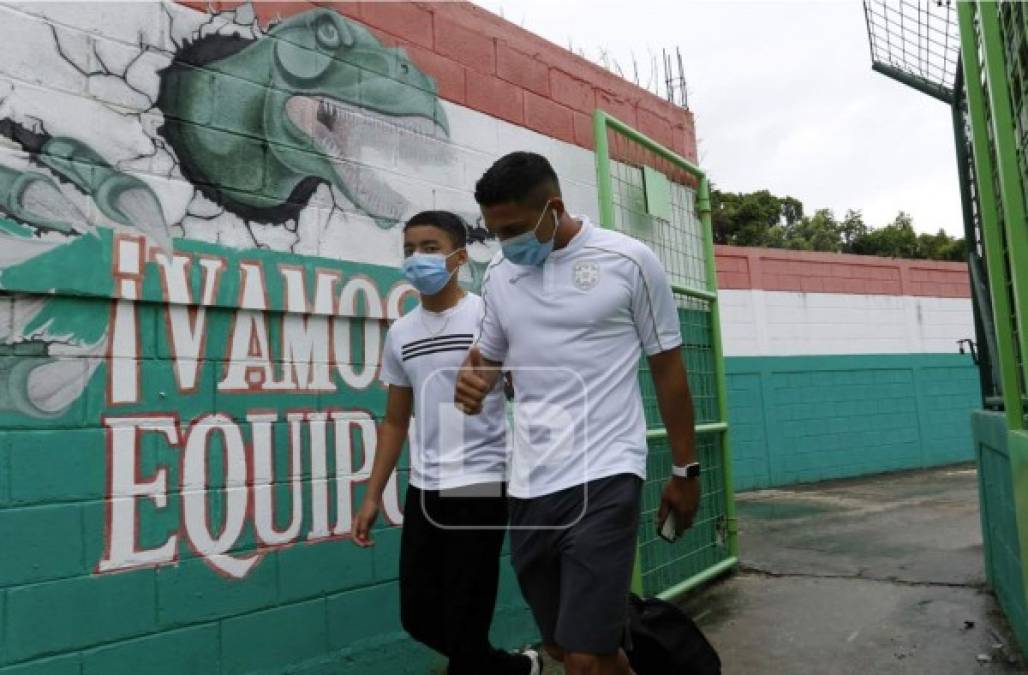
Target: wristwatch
[{"x": 687, "y": 471}]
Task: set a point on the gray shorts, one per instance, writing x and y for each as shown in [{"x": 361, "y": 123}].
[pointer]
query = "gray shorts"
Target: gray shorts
[{"x": 576, "y": 577}]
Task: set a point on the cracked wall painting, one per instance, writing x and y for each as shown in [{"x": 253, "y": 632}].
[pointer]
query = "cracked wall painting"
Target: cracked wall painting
[{"x": 199, "y": 236}]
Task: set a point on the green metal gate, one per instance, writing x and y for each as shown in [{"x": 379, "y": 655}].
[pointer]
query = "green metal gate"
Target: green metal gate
[{"x": 644, "y": 192}]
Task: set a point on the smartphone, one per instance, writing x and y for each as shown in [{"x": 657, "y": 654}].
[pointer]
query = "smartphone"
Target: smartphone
[{"x": 667, "y": 529}]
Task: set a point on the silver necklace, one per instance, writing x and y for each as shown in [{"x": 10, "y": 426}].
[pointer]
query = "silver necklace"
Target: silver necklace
[{"x": 435, "y": 333}]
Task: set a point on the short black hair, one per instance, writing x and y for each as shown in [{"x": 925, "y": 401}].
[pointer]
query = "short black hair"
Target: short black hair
[
  {"x": 451, "y": 223},
  {"x": 516, "y": 177}
]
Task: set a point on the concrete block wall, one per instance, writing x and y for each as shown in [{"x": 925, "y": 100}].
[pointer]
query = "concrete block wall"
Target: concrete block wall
[
  {"x": 199, "y": 242},
  {"x": 996, "y": 453},
  {"x": 843, "y": 365},
  {"x": 198, "y": 261}
]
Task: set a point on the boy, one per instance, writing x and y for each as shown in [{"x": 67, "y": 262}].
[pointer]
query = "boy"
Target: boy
[{"x": 455, "y": 512}]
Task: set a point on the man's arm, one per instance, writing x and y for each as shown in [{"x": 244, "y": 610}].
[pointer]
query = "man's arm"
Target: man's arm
[
  {"x": 392, "y": 433},
  {"x": 681, "y": 495},
  {"x": 675, "y": 402}
]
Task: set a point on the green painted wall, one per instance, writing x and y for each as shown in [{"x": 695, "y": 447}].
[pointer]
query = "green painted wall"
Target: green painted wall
[
  {"x": 1003, "y": 563},
  {"x": 73, "y": 595},
  {"x": 799, "y": 419}
]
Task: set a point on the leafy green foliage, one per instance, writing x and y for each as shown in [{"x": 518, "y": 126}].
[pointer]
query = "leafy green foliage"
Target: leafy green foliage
[{"x": 766, "y": 220}]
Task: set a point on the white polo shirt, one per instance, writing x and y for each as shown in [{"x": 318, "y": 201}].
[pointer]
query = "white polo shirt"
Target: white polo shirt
[
  {"x": 448, "y": 449},
  {"x": 570, "y": 331}
]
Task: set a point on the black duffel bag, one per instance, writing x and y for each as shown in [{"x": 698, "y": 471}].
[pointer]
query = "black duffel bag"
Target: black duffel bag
[{"x": 665, "y": 641}]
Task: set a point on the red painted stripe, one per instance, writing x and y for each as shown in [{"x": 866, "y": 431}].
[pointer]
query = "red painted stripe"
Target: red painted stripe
[
  {"x": 475, "y": 56},
  {"x": 803, "y": 271}
]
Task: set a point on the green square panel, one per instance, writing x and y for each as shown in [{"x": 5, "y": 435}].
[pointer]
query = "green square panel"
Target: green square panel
[{"x": 658, "y": 193}]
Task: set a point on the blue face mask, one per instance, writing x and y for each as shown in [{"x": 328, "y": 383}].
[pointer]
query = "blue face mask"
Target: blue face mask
[
  {"x": 525, "y": 249},
  {"x": 427, "y": 272}
]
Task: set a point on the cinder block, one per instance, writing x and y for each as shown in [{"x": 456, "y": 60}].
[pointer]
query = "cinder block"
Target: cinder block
[
  {"x": 548, "y": 117},
  {"x": 573, "y": 92},
  {"x": 655, "y": 126},
  {"x": 3, "y": 629},
  {"x": 474, "y": 49},
  {"x": 361, "y": 614},
  {"x": 191, "y": 650},
  {"x": 192, "y": 591},
  {"x": 58, "y": 397},
  {"x": 522, "y": 69},
  {"x": 58, "y": 665},
  {"x": 447, "y": 73},
  {"x": 495, "y": 97},
  {"x": 155, "y": 525},
  {"x": 406, "y": 20},
  {"x": 78, "y": 612},
  {"x": 309, "y": 569},
  {"x": 583, "y": 127},
  {"x": 114, "y": 90},
  {"x": 40, "y": 543},
  {"x": 386, "y": 553},
  {"x": 272, "y": 639},
  {"x": 620, "y": 108},
  {"x": 128, "y": 24},
  {"x": 5, "y": 472},
  {"x": 509, "y": 593},
  {"x": 474, "y": 130},
  {"x": 31, "y": 55}
]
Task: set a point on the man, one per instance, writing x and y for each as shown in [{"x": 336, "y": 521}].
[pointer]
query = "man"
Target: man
[
  {"x": 455, "y": 512},
  {"x": 568, "y": 306}
]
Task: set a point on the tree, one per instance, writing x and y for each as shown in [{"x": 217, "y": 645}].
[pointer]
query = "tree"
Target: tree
[
  {"x": 763, "y": 219},
  {"x": 752, "y": 219},
  {"x": 819, "y": 232},
  {"x": 940, "y": 246},
  {"x": 851, "y": 229}
]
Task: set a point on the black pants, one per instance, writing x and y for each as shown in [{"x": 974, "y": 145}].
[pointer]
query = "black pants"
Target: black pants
[{"x": 449, "y": 576}]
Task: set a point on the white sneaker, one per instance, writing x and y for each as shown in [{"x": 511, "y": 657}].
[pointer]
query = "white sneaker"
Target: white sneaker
[{"x": 537, "y": 661}]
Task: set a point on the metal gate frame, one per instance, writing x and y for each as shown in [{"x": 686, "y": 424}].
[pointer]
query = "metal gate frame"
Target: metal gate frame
[{"x": 602, "y": 124}]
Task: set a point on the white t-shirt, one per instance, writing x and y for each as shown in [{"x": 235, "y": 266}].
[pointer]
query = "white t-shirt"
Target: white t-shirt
[
  {"x": 448, "y": 449},
  {"x": 570, "y": 332}
]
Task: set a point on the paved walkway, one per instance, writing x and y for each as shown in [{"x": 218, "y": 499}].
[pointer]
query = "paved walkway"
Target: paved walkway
[
  {"x": 875, "y": 576},
  {"x": 881, "y": 575}
]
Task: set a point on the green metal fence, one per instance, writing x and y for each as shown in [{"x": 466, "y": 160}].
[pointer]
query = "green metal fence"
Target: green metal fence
[{"x": 643, "y": 192}]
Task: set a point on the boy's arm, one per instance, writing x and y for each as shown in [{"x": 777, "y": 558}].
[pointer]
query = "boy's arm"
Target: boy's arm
[
  {"x": 480, "y": 370},
  {"x": 392, "y": 433}
]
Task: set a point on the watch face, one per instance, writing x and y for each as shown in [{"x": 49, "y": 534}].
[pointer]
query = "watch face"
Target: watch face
[{"x": 692, "y": 471}]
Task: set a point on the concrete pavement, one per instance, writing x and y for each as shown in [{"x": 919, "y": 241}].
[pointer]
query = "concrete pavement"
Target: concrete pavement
[{"x": 880, "y": 575}]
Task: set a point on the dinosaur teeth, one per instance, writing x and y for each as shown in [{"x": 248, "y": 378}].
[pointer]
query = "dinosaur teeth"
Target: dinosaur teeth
[{"x": 327, "y": 114}]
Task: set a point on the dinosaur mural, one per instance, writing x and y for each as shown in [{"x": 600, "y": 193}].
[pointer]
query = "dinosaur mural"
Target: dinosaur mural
[
  {"x": 304, "y": 101},
  {"x": 292, "y": 138}
]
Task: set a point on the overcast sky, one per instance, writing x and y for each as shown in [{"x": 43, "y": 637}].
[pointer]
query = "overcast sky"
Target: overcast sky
[{"x": 784, "y": 99}]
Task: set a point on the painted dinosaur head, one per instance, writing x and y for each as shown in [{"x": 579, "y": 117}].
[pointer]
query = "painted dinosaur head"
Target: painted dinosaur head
[{"x": 258, "y": 124}]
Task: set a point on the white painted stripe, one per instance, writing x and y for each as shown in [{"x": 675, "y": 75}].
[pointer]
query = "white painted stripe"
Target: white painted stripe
[{"x": 784, "y": 323}]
